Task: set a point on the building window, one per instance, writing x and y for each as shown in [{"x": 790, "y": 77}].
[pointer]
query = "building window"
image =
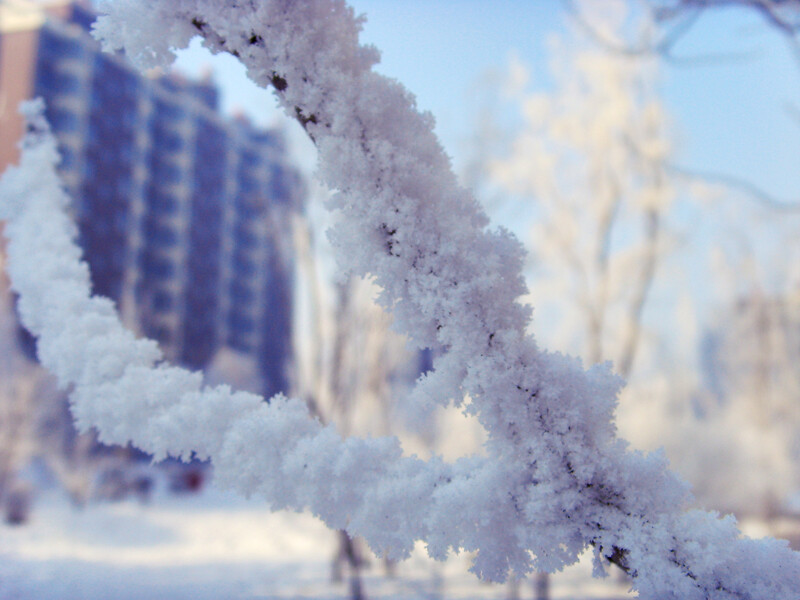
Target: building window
[
  {"x": 244, "y": 238},
  {"x": 158, "y": 268},
  {"x": 162, "y": 302},
  {"x": 240, "y": 324},
  {"x": 242, "y": 266},
  {"x": 54, "y": 45},
  {"x": 241, "y": 294}
]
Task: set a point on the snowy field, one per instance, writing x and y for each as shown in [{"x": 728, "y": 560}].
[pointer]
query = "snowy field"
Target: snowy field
[{"x": 214, "y": 546}]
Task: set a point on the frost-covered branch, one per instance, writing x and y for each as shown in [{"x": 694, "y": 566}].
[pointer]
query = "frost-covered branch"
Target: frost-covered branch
[
  {"x": 122, "y": 387},
  {"x": 555, "y": 480}
]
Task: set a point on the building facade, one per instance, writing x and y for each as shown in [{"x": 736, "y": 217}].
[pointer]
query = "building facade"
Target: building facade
[{"x": 184, "y": 216}]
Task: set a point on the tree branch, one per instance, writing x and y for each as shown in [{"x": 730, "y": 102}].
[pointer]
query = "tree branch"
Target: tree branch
[{"x": 751, "y": 191}]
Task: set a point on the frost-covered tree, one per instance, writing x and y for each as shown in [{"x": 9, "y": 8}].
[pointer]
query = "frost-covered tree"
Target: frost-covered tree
[
  {"x": 579, "y": 142},
  {"x": 746, "y": 429},
  {"x": 554, "y": 479},
  {"x": 737, "y": 460},
  {"x": 592, "y": 159},
  {"x": 732, "y": 428}
]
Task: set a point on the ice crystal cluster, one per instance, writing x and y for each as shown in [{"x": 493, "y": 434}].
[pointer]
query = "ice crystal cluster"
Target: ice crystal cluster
[{"x": 554, "y": 480}]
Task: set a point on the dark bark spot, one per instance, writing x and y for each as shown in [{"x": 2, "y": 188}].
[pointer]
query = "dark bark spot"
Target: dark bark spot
[
  {"x": 278, "y": 82},
  {"x": 304, "y": 120},
  {"x": 619, "y": 557}
]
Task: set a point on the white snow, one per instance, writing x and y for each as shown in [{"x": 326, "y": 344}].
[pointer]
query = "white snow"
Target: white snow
[{"x": 217, "y": 545}]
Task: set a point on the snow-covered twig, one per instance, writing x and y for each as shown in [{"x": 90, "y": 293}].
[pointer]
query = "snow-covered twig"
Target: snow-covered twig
[{"x": 555, "y": 480}]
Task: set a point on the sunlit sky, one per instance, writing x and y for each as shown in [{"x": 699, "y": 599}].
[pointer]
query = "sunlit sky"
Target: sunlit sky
[{"x": 732, "y": 114}]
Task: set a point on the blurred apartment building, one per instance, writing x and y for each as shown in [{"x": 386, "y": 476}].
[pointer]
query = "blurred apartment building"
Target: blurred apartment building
[{"x": 184, "y": 216}]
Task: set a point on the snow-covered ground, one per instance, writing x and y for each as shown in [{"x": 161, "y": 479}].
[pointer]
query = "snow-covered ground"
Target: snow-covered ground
[{"x": 217, "y": 546}]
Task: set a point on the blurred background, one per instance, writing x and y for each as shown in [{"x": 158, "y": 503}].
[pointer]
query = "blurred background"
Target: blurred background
[{"x": 647, "y": 153}]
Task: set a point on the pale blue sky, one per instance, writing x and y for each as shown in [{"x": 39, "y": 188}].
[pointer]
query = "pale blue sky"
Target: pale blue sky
[{"x": 730, "y": 115}]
